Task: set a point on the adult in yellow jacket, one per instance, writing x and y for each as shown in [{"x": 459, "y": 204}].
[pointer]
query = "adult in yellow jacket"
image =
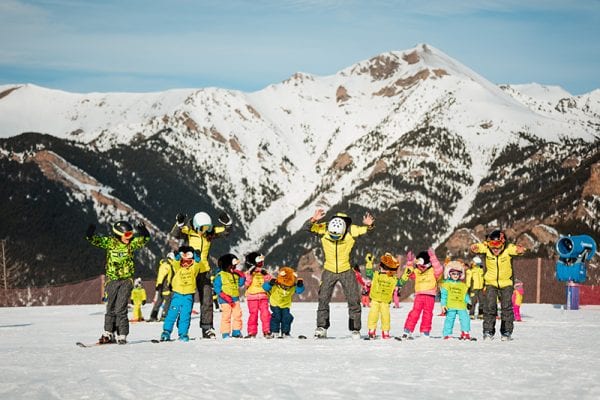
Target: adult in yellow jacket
[
  {"x": 474, "y": 281},
  {"x": 498, "y": 280},
  {"x": 199, "y": 233},
  {"x": 162, "y": 293},
  {"x": 337, "y": 238}
]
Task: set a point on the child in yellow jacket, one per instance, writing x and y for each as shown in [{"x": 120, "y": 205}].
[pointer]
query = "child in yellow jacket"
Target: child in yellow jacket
[
  {"x": 227, "y": 286},
  {"x": 383, "y": 284},
  {"x": 138, "y": 299},
  {"x": 281, "y": 290},
  {"x": 425, "y": 270},
  {"x": 186, "y": 267}
]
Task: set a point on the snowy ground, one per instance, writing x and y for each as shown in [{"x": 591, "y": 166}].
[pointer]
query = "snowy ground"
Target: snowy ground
[{"x": 554, "y": 355}]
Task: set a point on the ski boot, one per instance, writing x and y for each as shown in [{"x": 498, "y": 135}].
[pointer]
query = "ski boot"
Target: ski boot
[
  {"x": 236, "y": 333},
  {"x": 269, "y": 335},
  {"x": 284, "y": 336},
  {"x": 106, "y": 338},
  {"x": 385, "y": 335},
  {"x": 355, "y": 334},
  {"x": 165, "y": 336},
  {"x": 250, "y": 336},
  {"x": 407, "y": 335},
  {"x": 184, "y": 338},
  {"x": 465, "y": 336},
  {"x": 320, "y": 333},
  {"x": 121, "y": 339},
  {"x": 372, "y": 334},
  {"x": 209, "y": 333},
  {"x": 487, "y": 336},
  {"x": 425, "y": 334},
  {"x": 506, "y": 337}
]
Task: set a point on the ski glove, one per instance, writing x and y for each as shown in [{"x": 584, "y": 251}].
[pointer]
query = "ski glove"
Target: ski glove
[
  {"x": 410, "y": 258},
  {"x": 239, "y": 273},
  {"x": 469, "y": 306},
  {"x": 228, "y": 299},
  {"x": 225, "y": 219},
  {"x": 180, "y": 218},
  {"x": 143, "y": 302},
  {"x": 90, "y": 230},
  {"x": 300, "y": 283},
  {"x": 272, "y": 282},
  {"x": 141, "y": 228}
]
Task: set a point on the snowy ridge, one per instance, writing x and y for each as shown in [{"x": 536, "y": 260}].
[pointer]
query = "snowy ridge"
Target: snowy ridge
[{"x": 276, "y": 154}]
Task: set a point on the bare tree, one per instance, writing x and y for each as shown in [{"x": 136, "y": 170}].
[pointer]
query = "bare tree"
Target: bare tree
[{"x": 9, "y": 270}]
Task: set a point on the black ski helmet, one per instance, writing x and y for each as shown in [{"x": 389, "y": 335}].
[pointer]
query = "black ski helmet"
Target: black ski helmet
[
  {"x": 122, "y": 229},
  {"x": 254, "y": 258},
  {"x": 227, "y": 261},
  {"x": 424, "y": 257}
]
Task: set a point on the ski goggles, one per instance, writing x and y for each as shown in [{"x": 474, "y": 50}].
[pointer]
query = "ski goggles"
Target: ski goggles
[
  {"x": 205, "y": 228},
  {"x": 127, "y": 235},
  {"x": 495, "y": 244}
]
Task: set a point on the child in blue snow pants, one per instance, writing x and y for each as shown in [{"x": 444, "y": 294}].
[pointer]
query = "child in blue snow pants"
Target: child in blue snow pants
[{"x": 181, "y": 306}]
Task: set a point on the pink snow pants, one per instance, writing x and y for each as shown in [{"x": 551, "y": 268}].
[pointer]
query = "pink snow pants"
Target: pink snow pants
[
  {"x": 517, "y": 312},
  {"x": 256, "y": 307},
  {"x": 423, "y": 304}
]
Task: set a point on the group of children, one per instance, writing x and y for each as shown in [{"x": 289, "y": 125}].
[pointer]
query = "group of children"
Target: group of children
[{"x": 269, "y": 299}]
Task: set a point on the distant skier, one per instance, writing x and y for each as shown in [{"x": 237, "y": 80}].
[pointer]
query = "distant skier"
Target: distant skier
[
  {"x": 474, "y": 281},
  {"x": 138, "y": 299},
  {"x": 119, "y": 272},
  {"x": 498, "y": 282},
  {"x": 517, "y": 299},
  {"x": 162, "y": 296},
  {"x": 200, "y": 233},
  {"x": 337, "y": 238}
]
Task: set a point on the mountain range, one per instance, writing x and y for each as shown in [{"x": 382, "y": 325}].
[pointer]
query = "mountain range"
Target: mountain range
[{"x": 437, "y": 153}]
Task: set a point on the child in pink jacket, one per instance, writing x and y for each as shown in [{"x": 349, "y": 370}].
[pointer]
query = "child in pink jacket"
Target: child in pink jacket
[
  {"x": 517, "y": 299},
  {"x": 256, "y": 297},
  {"x": 425, "y": 270}
]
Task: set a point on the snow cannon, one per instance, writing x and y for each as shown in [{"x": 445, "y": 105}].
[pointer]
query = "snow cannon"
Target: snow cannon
[{"x": 574, "y": 252}]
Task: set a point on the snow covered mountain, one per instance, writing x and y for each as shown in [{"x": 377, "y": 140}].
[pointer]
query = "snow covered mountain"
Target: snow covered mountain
[{"x": 435, "y": 151}]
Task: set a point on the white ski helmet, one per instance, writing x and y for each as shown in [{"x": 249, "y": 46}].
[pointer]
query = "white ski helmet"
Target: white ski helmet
[
  {"x": 201, "y": 219},
  {"x": 336, "y": 228},
  {"x": 477, "y": 260}
]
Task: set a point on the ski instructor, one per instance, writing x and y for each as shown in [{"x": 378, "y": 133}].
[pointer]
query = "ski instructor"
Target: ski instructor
[{"x": 338, "y": 236}]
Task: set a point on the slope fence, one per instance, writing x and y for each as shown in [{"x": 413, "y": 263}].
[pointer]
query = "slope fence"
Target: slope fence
[{"x": 537, "y": 276}]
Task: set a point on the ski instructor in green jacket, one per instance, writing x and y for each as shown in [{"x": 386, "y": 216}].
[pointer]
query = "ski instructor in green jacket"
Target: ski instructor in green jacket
[
  {"x": 337, "y": 238},
  {"x": 119, "y": 273}
]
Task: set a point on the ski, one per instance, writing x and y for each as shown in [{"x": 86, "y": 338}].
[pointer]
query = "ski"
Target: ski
[
  {"x": 170, "y": 340},
  {"x": 88, "y": 345},
  {"x": 81, "y": 344}
]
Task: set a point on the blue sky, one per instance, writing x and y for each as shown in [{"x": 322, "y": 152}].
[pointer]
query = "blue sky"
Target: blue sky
[{"x": 145, "y": 45}]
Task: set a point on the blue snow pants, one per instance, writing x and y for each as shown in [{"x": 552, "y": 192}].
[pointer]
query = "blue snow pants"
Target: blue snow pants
[
  {"x": 181, "y": 306},
  {"x": 281, "y": 320},
  {"x": 463, "y": 317}
]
